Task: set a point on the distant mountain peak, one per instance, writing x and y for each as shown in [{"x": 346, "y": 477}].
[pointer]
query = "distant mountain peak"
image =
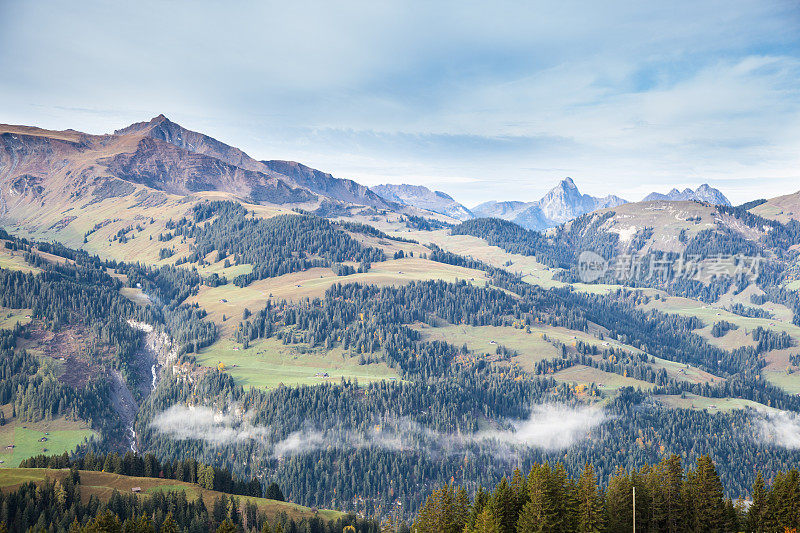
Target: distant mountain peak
[
  {"x": 562, "y": 203},
  {"x": 703, "y": 193}
]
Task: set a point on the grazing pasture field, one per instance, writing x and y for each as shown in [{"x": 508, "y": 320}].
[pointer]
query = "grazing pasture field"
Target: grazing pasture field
[
  {"x": 712, "y": 405},
  {"x": 230, "y": 300},
  {"x": 9, "y": 317},
  {"x": 605, "y": 381},
  {"x": 25, "y": 438},
  {"x": 780, "y": 371},
  {"x": 543, "y": 342},
  {"x": 532, "y": 347},
  {"x": 526, "y": 266},
  {"x": 267, "y": 363},
  {"x": 684, "y": 372},
  {"x": 709, "y": 314},
  {"x": 11, "y": 260}
]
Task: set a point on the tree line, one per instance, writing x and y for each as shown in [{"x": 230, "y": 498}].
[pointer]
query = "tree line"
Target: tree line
[{"x": 659, "y": 498}]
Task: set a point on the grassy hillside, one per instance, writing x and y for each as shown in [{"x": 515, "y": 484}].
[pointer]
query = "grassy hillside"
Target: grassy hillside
[
  {"x": 20, "y": 440},
  {"x": 267, "y": 363},
  {"x": 782, "y": 208},
  {"x": 103, "y": 484}
]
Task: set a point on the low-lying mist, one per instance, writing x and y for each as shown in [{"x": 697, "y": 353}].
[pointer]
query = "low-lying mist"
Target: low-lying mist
[
  {"x": 781, "y": 428},
  {"x": 180, "y": 422},
  {"x": 549, "y": 427}
]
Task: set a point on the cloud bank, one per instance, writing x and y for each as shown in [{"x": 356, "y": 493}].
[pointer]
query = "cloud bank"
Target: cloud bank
[{"x": 550, "y": 427}]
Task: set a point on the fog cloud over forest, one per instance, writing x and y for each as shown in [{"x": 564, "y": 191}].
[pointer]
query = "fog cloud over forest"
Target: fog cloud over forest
[
  {"x": 549, "y": 427},
  {"x": 781, "y": 428}
]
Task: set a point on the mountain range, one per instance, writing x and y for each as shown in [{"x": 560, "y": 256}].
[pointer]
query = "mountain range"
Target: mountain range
[
  {"x": 562, "y": 203},
  {"x": 704, "y": 193},
  {"x": 36, "y": 164},
  {"x": 128, "y": 258}
]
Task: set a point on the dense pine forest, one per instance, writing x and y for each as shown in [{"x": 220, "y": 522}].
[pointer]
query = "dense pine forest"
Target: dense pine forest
[{"x": 663, "y": 497}]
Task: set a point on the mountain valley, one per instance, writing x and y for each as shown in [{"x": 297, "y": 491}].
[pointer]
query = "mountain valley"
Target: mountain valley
[{"x": 316, "y": 331}]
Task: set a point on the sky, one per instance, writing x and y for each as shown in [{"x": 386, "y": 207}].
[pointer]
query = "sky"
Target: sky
[{"x": 483, "y": 100}]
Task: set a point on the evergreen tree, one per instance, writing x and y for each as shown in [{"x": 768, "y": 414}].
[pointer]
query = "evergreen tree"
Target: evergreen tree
[
  {"x": 540, "y": 513},
  {"x": 274, "y": 492},
  {"x": 707, "y": 493},
  {"x": 502, "y": 505},
  {"x": 226, "y": 527},
  {"x": 757, "y": 511},
  {"x": 673, "y": 511},
  {"x": 590, "y": 508},
  {"x": 168, "y": 525},
  {"x": 485, "y": 522},
  {"x": 461, "y": 509},
  {"x": 107, "y": 522},
  {"x": 619, "y": 502}
]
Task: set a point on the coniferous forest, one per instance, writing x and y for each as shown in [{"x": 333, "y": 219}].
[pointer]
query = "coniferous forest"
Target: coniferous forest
[{"x": 662, "y": 497}]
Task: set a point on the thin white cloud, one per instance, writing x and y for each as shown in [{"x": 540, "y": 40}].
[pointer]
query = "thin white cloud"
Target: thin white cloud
[
  {"x": 180, "y": 422},
  {"x": 781, "y": 428},
  {"x": 549, "y": 427}
]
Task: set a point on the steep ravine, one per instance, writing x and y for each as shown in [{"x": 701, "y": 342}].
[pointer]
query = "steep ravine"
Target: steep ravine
[{"x": 156, "y": 351}]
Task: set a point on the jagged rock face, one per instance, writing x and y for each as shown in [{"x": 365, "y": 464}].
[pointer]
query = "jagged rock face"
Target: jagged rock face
[
  {"x": 164, "y": 156},
  {"x": 704, "y": 193},
  {"x": 29, "y": 163},
  {"x": 23, "y": 154},
  {"x": 562, "y": 203},
  {"x": 423, "y": 198}
]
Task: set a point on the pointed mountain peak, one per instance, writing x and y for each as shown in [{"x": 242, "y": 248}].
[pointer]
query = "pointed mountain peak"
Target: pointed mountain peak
[
  {"x": 145, "y": 127},
  {"x": 564, "y": 191},
  {"x": 561, "y": 203}
]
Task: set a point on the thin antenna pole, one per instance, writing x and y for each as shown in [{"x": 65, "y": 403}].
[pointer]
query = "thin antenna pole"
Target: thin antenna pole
[{"x": 634, "y": 509}]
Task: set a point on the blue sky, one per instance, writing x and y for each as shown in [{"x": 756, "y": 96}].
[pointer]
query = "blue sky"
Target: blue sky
[{"x": 484, "y": 100}]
